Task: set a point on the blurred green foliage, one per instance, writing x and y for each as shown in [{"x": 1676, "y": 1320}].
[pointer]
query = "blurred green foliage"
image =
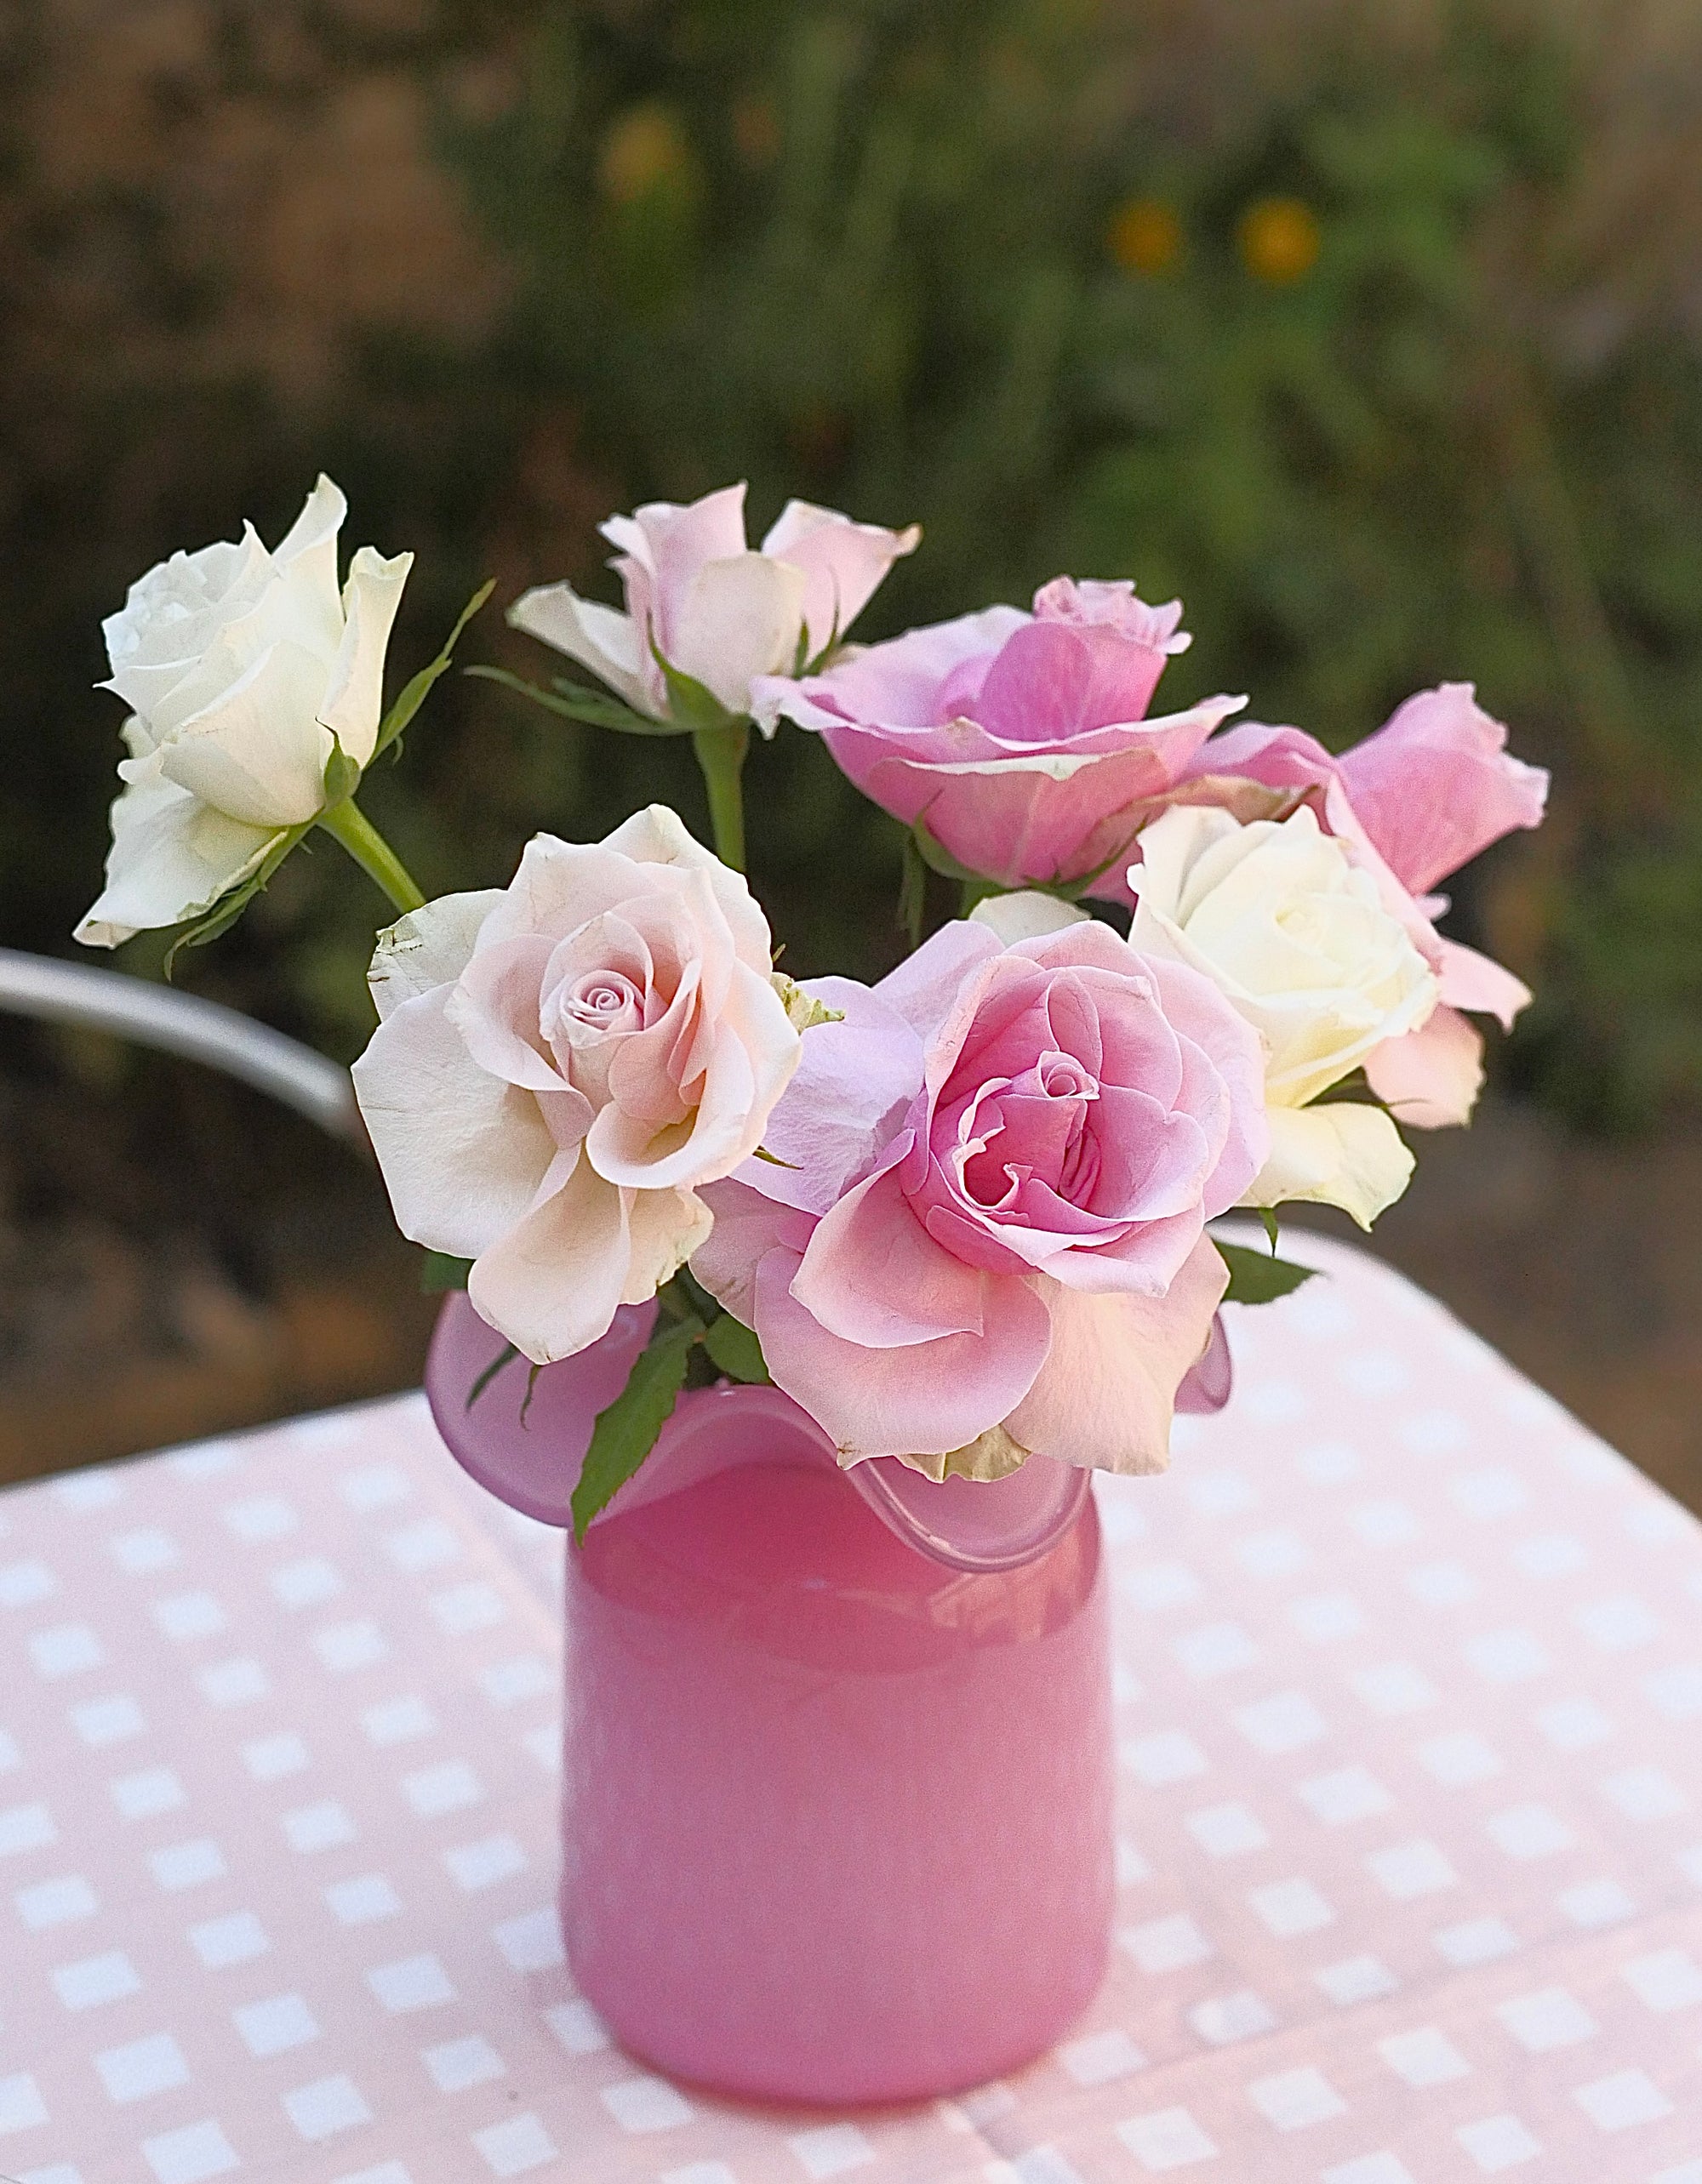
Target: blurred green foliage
[
  {"x": 1321, "y": 365},
  {"x": 1375, "y": 345}
]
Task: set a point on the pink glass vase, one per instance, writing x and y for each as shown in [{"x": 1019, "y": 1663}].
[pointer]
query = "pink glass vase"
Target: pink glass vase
[{"x": 837, "y": 1812}]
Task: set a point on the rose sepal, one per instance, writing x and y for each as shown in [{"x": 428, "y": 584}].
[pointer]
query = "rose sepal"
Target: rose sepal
[{"x": 581, "y": 702}]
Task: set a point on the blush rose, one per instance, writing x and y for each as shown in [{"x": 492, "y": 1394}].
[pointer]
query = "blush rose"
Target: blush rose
[{"x": 561, "y": 1064}]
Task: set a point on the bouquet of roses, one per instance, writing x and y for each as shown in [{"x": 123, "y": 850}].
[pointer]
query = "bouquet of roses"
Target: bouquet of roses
[{"x": 960, "y": 1217}]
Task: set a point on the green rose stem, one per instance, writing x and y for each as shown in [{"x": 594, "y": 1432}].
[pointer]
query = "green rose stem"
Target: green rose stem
[
  {"x": 721, "y": 753},
  {"x": 346, "y": 824}
]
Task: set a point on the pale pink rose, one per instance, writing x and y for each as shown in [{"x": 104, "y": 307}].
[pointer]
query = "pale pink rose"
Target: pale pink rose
[
  {"x": 563, "y": 1062},
  {"x": 714, "y": 610},
  {"x": 990, "y": 1241},
  {"x": 1021, "y": 740},
  {"x": 1412, "y": 802}
]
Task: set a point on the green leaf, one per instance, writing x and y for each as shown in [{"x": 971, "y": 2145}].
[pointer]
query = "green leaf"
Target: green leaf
[
  {"x": 773, "y": 1159},
  {"x": 505, "y": 1355},
  {"x": 578, "y": 701},
  {"x": 625, "y": 1432},
  {"x": 692, "y": 703},
  {"x": 342, "y": 775},
  {"x": 686, "y": 1296},
  {"x": 414, "y": 692},
  {"x": 1255, "y": 1279},
  {"x": 441, "y": 1272},
  {"x": 735, "y": 1349},
  {"x": 1267, "y": 1215}
]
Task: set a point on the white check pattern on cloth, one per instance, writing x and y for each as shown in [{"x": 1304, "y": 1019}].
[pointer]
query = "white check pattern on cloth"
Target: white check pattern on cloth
[{"x": 1409, "y": 1711}]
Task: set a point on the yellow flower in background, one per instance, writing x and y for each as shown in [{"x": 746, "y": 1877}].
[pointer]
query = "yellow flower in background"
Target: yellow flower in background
[
  {"x": 644, "y": 148},
  {"x": 1280, "y": 240},
  {"x": 1145, "y": 236}
]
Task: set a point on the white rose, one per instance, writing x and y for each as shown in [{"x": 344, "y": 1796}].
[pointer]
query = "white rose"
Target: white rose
[
  {"x": 239, "y": 666},
  {"x": 562, "y": 1062},
  {"x": 1296, "y": 936}
]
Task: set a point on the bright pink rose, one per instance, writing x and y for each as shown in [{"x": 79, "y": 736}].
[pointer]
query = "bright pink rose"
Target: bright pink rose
[
  {"x": 1021, "y": 740},
  {"x": 1433, "y": 787},
  {"x": 990, "y": 1239}
]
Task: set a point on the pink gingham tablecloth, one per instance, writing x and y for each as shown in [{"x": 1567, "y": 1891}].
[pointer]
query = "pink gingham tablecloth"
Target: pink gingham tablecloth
[{"x": 1410, "y": 1723}]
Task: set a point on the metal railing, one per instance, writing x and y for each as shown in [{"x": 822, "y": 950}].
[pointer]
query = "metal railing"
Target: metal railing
[{"x": 56, "y": 992}]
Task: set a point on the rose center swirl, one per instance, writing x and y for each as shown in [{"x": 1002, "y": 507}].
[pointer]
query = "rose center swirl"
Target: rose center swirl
[{"x": 1018, "y": 1130}]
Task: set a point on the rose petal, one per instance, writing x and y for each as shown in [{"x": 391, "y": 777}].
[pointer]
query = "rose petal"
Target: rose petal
[
  {"x": 895, "y": 684},
  {"x": 353, "y": 703},
  {"x": 1052, "y": 679},
  {"x": 257, "y": 752},
  {"x": 872, "y": 1275},
  {"x": 462, "y": 1152},
  {"x": 552, "y": 1283},
  {"x": 747, "y": 1227},
  {"x": 843, "y": 563},
  {"x": 171, "y": 858},
  {"x": 1471, "y": 981},
  {"x": 926, "y": 1399},
  {"x": 494, "y": 1006},
  {"x": 1341, "y": 1154},
  {"x": 657, "y": 835},
  {"x": 307, "y": 557},
  {"x": 428, "y": 947},
  {"x": 1209, "y": 1382},
  {"x": 664, "y": 1227},
  {"x": 708, "y": 1142},
  {"x": 739, "y": 619},
  {"x": 671, "y": 542},
  {"x": 171, "y": 614},
  {"x": 1105, "y": 1396},
  {"x": 928, "y": 986},
  {"x": 559, "y": 886},
  {"x": 855, "y": 1080},
  {"x": 1431, "y": 1078},
  {"x": 1022, "y": 814},
  {"x": 1434, "y": 785},
  {"x": 1026, "y": 916},
  {"x": 609, "y": 643},
  {"x": 1195, "y": 1006}
]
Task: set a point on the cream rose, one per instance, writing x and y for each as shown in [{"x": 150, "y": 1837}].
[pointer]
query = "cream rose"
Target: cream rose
[
  {"x": 239, "y": 666},
  {"x": 1298, "y": 938},
  {"x": 562, "y": 1063}
]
